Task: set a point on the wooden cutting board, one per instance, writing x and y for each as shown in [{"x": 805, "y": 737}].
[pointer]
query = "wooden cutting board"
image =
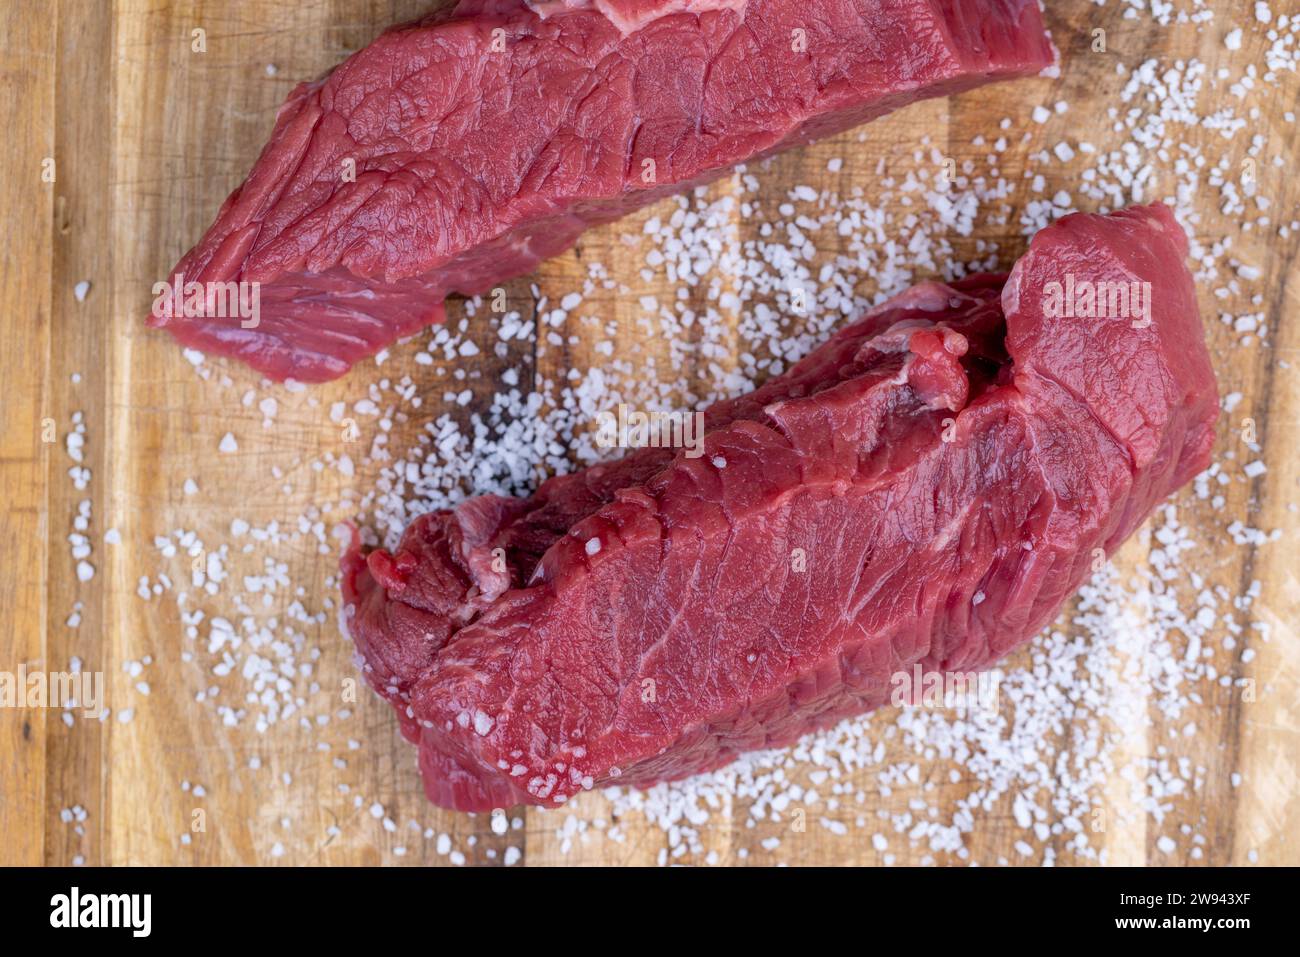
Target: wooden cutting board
[{"x": 147, "y": 136}]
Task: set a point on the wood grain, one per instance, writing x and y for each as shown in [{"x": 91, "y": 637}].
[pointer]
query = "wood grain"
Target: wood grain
[
  {"x": 28, "y": 71},
  {"x": 149, "y": 137}
]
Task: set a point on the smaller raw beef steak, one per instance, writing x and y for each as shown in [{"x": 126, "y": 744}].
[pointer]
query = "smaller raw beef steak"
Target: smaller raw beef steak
[
  {"x": 927, "y": 488},
  {"x": 461, "y": 150}
]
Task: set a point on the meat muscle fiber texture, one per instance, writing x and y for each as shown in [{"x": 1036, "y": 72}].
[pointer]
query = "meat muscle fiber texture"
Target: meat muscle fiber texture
[
  {"x": 459, "y": 151},
  {"x": 927, "y": 488}
]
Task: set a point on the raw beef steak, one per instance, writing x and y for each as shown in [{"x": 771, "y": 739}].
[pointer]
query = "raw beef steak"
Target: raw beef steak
[
  {"x": 461, "y": 150},
  {"x": 926, "y": 488}
]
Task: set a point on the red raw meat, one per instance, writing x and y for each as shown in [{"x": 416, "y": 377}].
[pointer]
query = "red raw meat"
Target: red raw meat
[
  {"x": 946, "y": 466},
  {"x": 487, "y": 139}
]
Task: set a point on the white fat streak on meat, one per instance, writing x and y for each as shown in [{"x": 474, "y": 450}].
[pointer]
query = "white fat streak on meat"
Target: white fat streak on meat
[{"x": 630, "y": 16}]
